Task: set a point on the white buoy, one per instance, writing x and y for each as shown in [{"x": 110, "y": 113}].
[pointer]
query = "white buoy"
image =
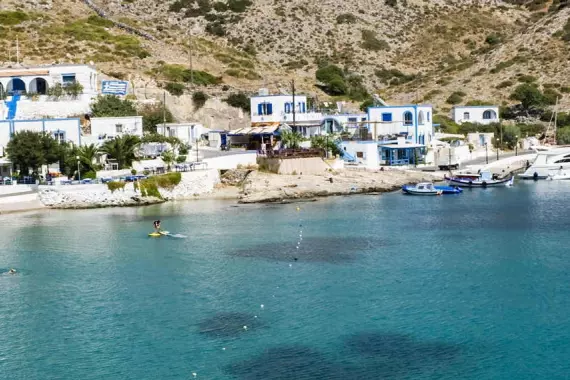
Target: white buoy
[
  {"x": 255, "y": 316},
  {"x": 245, "y": 327},
  {"x": 223, "y": 349},
  {"x": 194, "y": 374},
  {"x": 290, "y": 265},
  {"x": 262, "y": 306}
]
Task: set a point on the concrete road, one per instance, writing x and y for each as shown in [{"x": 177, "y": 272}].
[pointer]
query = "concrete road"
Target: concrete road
[{"x": 483, "y": 160}]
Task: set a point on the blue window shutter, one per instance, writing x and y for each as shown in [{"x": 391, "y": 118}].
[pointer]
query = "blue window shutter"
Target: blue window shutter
[
  {"x": 303, "y": 107},
  {"x": 387, "y": 117},
  {"x": 428, "y": 116},
  {"x": 260, "y": 109},
  {"x": 269, "y": 109},
  {"x": 287, "y": 108}
]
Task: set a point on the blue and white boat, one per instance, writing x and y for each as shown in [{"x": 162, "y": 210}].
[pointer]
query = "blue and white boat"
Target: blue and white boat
[{"x": 427, "y": 188}]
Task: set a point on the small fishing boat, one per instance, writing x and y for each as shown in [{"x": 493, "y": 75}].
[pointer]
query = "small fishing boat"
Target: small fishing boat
[
  {"x": 483, "y": 179},
  {"x": 427, "y": 188}
]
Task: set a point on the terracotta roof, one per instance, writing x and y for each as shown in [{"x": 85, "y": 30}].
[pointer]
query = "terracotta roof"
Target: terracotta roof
[{"x": 22, "y": 73}]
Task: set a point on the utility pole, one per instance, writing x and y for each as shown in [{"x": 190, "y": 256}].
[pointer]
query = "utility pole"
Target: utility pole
[
  {"x": 17, "y": 51},
  {"x": 293, "y": 88},
  {"x": 190, "y": 58},
  {"x": 164, "y": 112}
]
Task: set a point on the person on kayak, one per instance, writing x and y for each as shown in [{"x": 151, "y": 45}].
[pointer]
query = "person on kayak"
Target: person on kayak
[{"x": 156, "y": 225}]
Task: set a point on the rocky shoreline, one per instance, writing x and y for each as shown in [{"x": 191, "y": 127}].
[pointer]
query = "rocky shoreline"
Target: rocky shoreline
[
  {"x": 241, "y": 186},
  {"x": 266, "y": 188}
]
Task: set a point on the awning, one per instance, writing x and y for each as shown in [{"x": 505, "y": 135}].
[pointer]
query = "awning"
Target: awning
[
  {"x": 254, "y": 131},
  {"x": 23, "y": 73},
  {"x": 401, "y": 146}
]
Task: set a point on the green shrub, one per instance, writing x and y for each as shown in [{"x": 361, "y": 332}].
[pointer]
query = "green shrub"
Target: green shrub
[
  {"x": 238, "y": 6},
  {"x": 180, "y": 159},
  {"x": 11, "y": 18},
  {"x": 133, "y": 172},
  {"x": 527, "y": 79},
  {"x": 90, "y": 174},
  {"x": 115, "y": 185},
  {"x": 238, "y": 100},
  {"x": 100, "y": 21},
  {"x": 175, "y": 89},
  {"x": 504, "y": 84},
  {"x": 393, "y": 76},
  {"x": 455, "y": 98},
  {"x": 346, "y": 18},
  {"x": 493, "y": 39},
  {"x": 370, "y": 42},
  {"x": 199, "y": 98}
]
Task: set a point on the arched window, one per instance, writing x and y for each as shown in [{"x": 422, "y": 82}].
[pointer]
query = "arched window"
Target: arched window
[
  {"x": 408, "y": 118},
  {"x": 2, "y": 92},
  {"x": 466, "y": 116},
  {"x": 38, "y": 86},
  {"x": 16, "y": 86},
  {"x": 287, "y": 107},
  {"x": 489, "y": 114},
  {"x": 421, "y": 118}
]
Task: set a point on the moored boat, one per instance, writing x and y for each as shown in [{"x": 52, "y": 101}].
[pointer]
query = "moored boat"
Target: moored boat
[
  {"x": 483, "y": 179},
  {"x": 427, "y": 188}
]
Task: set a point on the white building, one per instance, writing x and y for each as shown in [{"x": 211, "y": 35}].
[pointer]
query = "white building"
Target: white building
[
  {"x": 274, "y": 110},
  {"x": 412, "y": 121},
  {"x": 26, "y": 94},
  {"x": 187, "y": 133},
  {"x": 479, "y": 140},
  {"x": 101, "y": 129},
  {"x": 63, "y": 130},
  {"x": 475, "y": 114},
  {"x": 343, "y": 122}
]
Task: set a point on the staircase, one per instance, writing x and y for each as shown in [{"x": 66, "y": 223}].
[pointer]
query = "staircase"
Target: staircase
[{"x": 12, "y": 106}]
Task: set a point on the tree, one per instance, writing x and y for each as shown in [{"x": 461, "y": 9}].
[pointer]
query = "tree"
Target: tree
[
  {"x": 153, "y": 115},
  {"x": 528, "y": 95},
  {"x": 87, "y": 156},
  {"x": 123, "y": 149},
  {"x": 199, "y": 98},
  {"x": 112, "y": 106},
  {"x": 239, "y": 100},
  {"x": 328, "y": 143},
  {"x": 168, "y": 157},
  {"x": 563, "y": 136},
  {"x": 29, "y": 149},
  {"x": 510, "y": 133},
  {"x": 291, "y": 139}
]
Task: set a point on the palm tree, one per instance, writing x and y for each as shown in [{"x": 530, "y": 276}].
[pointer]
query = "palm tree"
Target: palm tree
[
  {"x": 88, "y": 155},
  {"x": 122, "y": 148},
  {"x": 168, "y": 158},
  {"x": 291, "y": 139}
]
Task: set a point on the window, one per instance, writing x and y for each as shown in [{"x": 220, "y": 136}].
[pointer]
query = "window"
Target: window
[
  {"x": 265, "y": 109},
  {"x": 172, "y": 132},
  {"x": 489, "y": 114},
  {"x": 302, "y": 107},
  {"x": 119, "y": 128},
  {"x": 360, "y": 154},
  {"x": 408, "y": 118},
  {"x": 421, "y": 118},
  {"x": 465, "y": 115},
  {"x": 386, "y": 117},
  {"x": 67, "y": 79},
  {"x": 59, "y": 136},
  {"x": 287, "y": 107},
  {"x": 428, "y": 116}
]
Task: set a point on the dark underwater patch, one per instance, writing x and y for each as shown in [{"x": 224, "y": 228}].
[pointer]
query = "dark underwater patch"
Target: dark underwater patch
[
  {"x": 229, "y": 325},
  {"x": 286, "y": 363},
  {"x": 336, "y": 250},
  {"x": 398, "y": 355}
]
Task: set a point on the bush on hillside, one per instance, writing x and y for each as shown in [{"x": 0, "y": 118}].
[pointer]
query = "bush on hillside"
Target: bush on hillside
[
  {"x": 153, "y": 115},
  {"x": 238, "y": 100},
  {"x": 455, "y": 98},
  {"x": 112, "y": 106},
  {"x": 372, "y": 43},
  {"x": 199, "y": 98},
  {"x": 346, "y": 18},
  {"x": 175, "y": 89}
]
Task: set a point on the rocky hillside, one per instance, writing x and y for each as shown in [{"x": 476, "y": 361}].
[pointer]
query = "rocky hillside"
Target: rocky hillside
[{"x": 406, "y": 50}]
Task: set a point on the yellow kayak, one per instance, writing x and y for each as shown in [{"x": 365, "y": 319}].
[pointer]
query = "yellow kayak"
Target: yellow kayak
[{"x": 155, "y": 234}]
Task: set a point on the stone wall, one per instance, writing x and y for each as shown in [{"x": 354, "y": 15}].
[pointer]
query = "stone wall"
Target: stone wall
[
  {"x": 93, "y": 196},
  {"x": 311, "y": 165}
]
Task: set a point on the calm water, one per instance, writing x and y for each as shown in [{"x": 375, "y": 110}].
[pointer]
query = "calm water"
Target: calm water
[{"x": 456, "y": 287}]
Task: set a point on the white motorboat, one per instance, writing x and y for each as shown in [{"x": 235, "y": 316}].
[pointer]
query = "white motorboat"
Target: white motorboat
[{"x": 549, "y": 163}]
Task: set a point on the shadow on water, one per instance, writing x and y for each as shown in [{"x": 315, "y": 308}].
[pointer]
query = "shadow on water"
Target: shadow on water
[
  {"x": 364, "y": 356},
  {"x": 229, "y": 325},
  {"x": 336, "y": 250},
  {"x": 286, "y": 363},
  {"x": 397, "y": 355}
]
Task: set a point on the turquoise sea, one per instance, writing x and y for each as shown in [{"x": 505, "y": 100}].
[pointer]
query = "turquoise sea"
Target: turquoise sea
[{"x": 474, "y": 286}]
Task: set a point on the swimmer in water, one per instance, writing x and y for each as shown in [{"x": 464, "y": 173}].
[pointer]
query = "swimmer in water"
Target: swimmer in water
[
  {"x": 12, "y": 271},
  {"x": 156, "y": 225}
]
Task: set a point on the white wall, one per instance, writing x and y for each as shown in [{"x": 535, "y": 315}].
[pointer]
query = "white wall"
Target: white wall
[
  {"x": 420, "y": 128},
  {"x": 232, "y": 161},
  {"x": 475, "y": 114},
  {"x": 70, "y": 128},
  {"x": 28, "y": 109},
  {"x": 105, "y": 128},
  {"x": 369, "y": 150},
  {"x": 280, "y": 111},
  {"x": 186, "y": 132}
]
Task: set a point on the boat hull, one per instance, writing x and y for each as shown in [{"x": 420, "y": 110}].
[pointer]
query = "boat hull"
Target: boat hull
[
  {"x": 449, "y": 189},
  {"x": 411, "y": 191},
  {"x": 468, "y": 183}
]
